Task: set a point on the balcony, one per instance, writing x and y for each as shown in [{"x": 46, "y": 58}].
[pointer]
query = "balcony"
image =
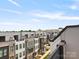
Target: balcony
[
  {"x": 2, "y": 44},
  {"x": 7, "y": 43},
  {"x": 57, "y": 52}
]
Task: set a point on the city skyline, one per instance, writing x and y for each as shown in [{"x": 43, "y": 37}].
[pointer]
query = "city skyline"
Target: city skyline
[{"x": 38, "y": 14}]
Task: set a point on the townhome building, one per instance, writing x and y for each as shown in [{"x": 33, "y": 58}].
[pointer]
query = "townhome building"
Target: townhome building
[
  {"x": 36, "y": 48},
  {"x": 20, "y": 49},
  {"x": 19, "y": 45},
  {"x": 30, "y": 48},
  {"x": 32, "y": 45},
  {"x": 16, "y": 43},
  {"x": 22, "y": 44},
  {"x": 42, "y": 41},
  {"x": 7, "y": 46}
]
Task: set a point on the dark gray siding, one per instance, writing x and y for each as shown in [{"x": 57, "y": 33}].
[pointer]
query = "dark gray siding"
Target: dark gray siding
[{"x": 58, "y": 54}]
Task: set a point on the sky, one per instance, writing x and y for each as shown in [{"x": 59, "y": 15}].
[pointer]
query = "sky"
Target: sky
[{"x": 38, "y": 14}]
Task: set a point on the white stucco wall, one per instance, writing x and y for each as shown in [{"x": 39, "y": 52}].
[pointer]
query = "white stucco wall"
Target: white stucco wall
[
  {"x": 36, "y": 44},
  {"x": 20, "y": 50},
  {"x": 9, "y": 34}
]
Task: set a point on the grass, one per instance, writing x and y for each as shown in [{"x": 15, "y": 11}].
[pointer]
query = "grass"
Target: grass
[{"x": 46, "y": 57}]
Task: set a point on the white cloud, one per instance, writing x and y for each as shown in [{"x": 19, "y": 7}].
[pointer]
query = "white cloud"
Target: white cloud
[
  {"x": 74, "y": 7},
  {"x": 15, "y": 3},
  {"x": 75, "y": 0},
  {"x": 4, "y": 26},
  {"x": 55, "y": 16},
  {"x": 47, "y": 15},
  {"x": 36, "y": 20},
  {"x": 11, "y": 26},
  {"x": 69, "y": 18},
  {"x": 9, "y": 23},
  {"x": 11, "y": 11}
]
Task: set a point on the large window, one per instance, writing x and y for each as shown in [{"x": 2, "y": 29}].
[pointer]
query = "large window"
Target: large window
[
  {"x": 30, "y": 50},
  {"x": 2, "y": 38},
  {"x": 20, "y": 55},
  {"x": 20, "y": 46},
  {"x": 1, "y": 53},
  {"x": 16, "y": 56},
  {"x": 16, "y": 47},
  {"x": 5, "y": 52},
  {"x": 32, "y": 34},
  {"x": 26, "y": 35}
]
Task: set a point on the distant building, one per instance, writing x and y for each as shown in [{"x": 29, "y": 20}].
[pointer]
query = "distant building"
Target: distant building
[
  {"x": 52, "y": 33},
  {"x": 23, "y": 44}
]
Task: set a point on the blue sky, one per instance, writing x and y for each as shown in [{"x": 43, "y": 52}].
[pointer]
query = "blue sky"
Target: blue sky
[{"x": 38, "y": 14}]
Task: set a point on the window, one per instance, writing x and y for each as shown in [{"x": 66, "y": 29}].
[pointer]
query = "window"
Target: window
[
  {"x": 5, "y": 52},
  {"x": 1, "y": 53},
  {"x": 16, "y": 56},
  {"x": 16, "y": 47},
  {"x": 20, "y": 46},
  {"x": 20, "y": 55},
  {"x": 2, "y": 38},
  {"x": 32, "y": 34},
  {"x": 23, "y": 53},
  {"x": 16, "y": 37},
  {"x": 41, "y": 34},
  {"x": 26, "y": 35},
  {"x": 30, "y": 50},
  {"x": 23, "y": 45}
]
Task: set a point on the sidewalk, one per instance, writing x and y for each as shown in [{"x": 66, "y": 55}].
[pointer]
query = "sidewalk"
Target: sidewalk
[{"x": 45, "y": 54}]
